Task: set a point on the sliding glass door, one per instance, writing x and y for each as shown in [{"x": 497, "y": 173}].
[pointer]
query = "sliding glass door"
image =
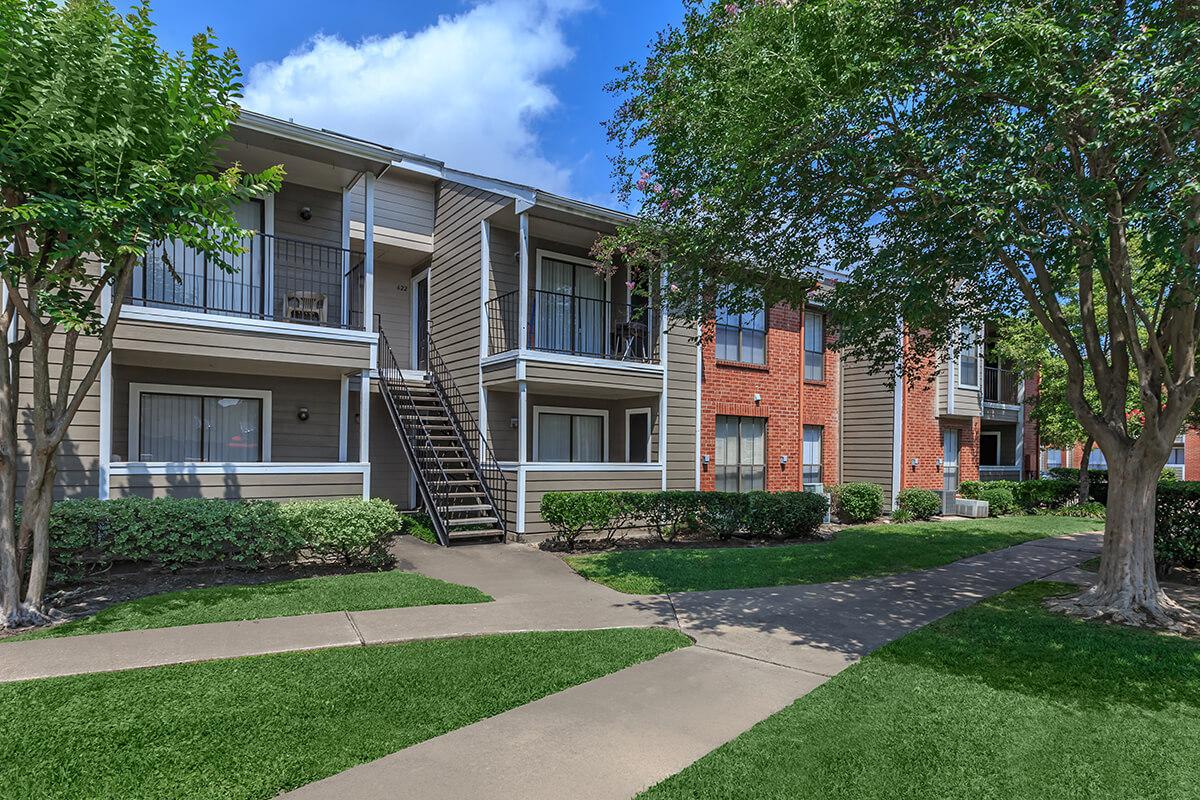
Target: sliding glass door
[{"x": 570, "y": 308}]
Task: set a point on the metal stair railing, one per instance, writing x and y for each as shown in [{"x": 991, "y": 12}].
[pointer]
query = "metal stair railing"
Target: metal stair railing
[
  {"x": 487, "y": 468},
  {"x": 433, "y": 482}
]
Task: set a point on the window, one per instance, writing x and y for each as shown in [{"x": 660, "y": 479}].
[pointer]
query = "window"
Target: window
[
  {"x": 184, "y": 423},
  {"x": 570, "y": 435},
  {"x": 1096, "y": 459},
  {"x": 637, "y": 435},
  {"x": 813, "y": 474},
  {"x": 570, "y": 307},
  {"x": 1054, "y": 459},
  {"x": 741, "y": 454},
  {"x": 742, "y": 337},
  {"x": 968, "y": 357},
  {"x": 814, "y": 347},
  {"x": 1176, "y": 458}
]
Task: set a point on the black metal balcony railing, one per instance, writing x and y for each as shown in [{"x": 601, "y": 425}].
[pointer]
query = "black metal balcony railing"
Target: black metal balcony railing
[
  {"x": 287, "y": 280},
  {"x": 563, "y": 323},
  {"x": 999, "y": 385}
]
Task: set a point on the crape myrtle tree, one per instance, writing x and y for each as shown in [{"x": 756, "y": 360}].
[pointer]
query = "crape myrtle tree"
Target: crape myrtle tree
[
  {"x": 107, "y": 145},
  {"x": 961, "y": 162}
]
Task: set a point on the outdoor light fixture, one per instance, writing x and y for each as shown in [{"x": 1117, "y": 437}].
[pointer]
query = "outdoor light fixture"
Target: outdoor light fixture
[
  {"x": 783, "y": 460},
  {"x": 306, "y": 213},
  {"x": 302, "y": 414},
  {"x": 757, "y": 398},
  {"x": 704, "y": 459},
  {"x": 514, "y": 422}
]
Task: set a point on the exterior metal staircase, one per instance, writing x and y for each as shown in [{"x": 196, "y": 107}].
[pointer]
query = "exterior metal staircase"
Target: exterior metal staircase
[{"x": 462, "y": 488}]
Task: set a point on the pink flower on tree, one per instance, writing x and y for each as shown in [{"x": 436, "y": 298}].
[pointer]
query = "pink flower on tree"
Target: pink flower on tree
[{"x": 630, "y": 284}]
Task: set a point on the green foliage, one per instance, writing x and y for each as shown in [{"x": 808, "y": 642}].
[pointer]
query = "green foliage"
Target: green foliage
[
  {"x": 999, "y": 499},
  {"x": 1088, "y": 510},
  {"x": 970, "y": 489},
  {"x": 1044, "y": 493},
  {"x": 726, "y": 514},
  {"x": 420, "y": 526},
  {"x": 349, "y": 531},
  {"x": 917, "y": 504},
  {"x": 785, "y": 515},
  {"x": 858, "y": 502},
  {"x": 1177, "y": 525},
  {"x": 88, "y": 535}
]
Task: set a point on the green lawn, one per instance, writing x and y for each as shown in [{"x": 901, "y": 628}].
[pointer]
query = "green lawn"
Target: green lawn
[
  {"x": 355, "y": 592},
  {"x": 252, "y": 727},
  {"x": 1002, "y": 701},
  {"x": 855, "y": 553}
]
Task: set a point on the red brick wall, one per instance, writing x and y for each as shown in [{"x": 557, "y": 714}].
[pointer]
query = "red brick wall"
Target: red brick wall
[
  {"x": 922, "y": 440},
  {"x": 729, "y": 389},
  {"x": 1191, "y": 455}
]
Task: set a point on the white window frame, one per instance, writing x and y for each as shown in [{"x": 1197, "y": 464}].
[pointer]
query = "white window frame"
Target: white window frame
[
  {"x": 976, "y": 342},
  {"x": 590, "y": 412},
  {"x": 629, "y": 412},
  {"x": 136, "y": 390}
]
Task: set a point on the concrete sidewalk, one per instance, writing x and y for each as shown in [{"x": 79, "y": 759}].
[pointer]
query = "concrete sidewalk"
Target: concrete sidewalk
[
  {"x": 533, "y": 591},
  {"x": 757, "y": 651}
]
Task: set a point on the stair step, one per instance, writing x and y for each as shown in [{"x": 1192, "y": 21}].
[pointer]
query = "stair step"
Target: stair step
[
  {"x": 477, "y": 507},
  {"x": 480, "y": 534},
  {"x": 458, "y": 523}
]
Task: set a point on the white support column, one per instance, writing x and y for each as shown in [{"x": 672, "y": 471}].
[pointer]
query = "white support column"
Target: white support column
[
  {"x": 347, "y": 190},
  {"x": 1020, "y": 443},
  {"x": 344, "y": 418},
  {"x": 522, "y": 423},
  {"x": 699, "y": 407},
  {"x": 662, "y": 397},
  {"x": 106, "y": 405},
  {"x": 364, "y": 427},
  {"x": 369, "y": 255},
  {"x": 485, "y": 279},
  {"x": 523, "y": 287}
]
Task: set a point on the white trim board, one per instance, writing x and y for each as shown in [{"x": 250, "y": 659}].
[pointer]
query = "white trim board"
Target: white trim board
[
  {"x": 200, "y": 319},
  {"x": 135, "y": 410},
  {"x": 237, "y": 468},
  {"x": 578, "y": 466},
  {"x": 547, "y": 357}
]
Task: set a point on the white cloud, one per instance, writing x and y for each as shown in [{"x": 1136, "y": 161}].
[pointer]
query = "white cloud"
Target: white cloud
[{"x": 466, "y": 90}]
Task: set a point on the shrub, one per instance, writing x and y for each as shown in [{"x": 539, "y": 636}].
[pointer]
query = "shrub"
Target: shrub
[
  {"x": 349, "y": 531},
  {"x": 1177, "y": 525},
  {"x": 724, "y": 514},
  {"x": 971, "y": 489},
  {"x": 92, "y": 534},
  {"x": 859, "y": 502},
  {"x": 1088, "y": 510},
  {"x": 902, "y": 515},
  {"x": 1044, "y": 493},
  {"x": 918, "y": 503},
  {"x": 572, "y": 514},
  {"x": 1000, "y": 501},
  {"x": 667, "y": 513},
  {"x": 419, "y": 526},
  {"x": 785, "y": 515}
]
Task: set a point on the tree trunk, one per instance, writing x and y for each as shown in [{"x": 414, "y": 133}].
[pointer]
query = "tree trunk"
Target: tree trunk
[
  {"x": 1127, "y": 589},
  {"x": 1085, "y": 473}
]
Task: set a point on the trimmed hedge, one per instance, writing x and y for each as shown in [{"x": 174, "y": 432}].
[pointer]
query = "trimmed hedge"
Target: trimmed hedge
[
  {"x": 90, "y": 535},
  {"x": 918, "y": 503},
  {"x": 1041, "y": 493},
  {"x": 780, "y": 515},
  {"x": 1177, "y": 525},
  {"x": 858, "y": 502},
  {"x": 999, "y": 499}
]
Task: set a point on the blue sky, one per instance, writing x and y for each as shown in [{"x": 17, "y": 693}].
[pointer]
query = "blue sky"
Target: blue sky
[{"x": 511, "y": 88}]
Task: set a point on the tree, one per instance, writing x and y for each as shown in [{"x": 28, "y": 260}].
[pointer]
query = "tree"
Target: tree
[
  {"x": 963, "y": 162},
  {"x": 107, "y": 145}
]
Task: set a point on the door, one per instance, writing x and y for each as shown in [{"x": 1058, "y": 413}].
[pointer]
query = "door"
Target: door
[
  {"x": 949, "y": 467},
  {"x": 570, "y": 308},
  {"x": 420, "y": 321}
]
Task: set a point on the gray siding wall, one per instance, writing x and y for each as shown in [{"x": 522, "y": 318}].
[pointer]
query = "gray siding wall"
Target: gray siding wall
[
  {"x": 681, "y": 408},
  {"x": 538, "y": 483},
  {"x": 390, "y": 473},
  {"x": 868, "y": 421},
  {"x": 315, "y": 439},
  {"x": 400, "y": 204},
  {"x": 240, "y": 487},
  {"x": 299, "y": 268},
  {"x": 393, "y": 304},
  {"x": 503, "y": 437},
  {"x": 455, "y": 282}
]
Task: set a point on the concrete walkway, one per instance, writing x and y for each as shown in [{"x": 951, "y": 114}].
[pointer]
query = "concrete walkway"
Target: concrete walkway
[{"x": 757, "y": 651}]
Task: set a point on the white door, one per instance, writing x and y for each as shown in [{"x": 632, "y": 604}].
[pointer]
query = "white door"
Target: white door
[{"x": 949, "y": 467}]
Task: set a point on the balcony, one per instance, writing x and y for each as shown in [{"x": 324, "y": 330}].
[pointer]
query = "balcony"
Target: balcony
[
  {"x": 1000, "y": 386},
  {"x": 575, "y": 325},
  {"x": 284, "y": 280}
]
